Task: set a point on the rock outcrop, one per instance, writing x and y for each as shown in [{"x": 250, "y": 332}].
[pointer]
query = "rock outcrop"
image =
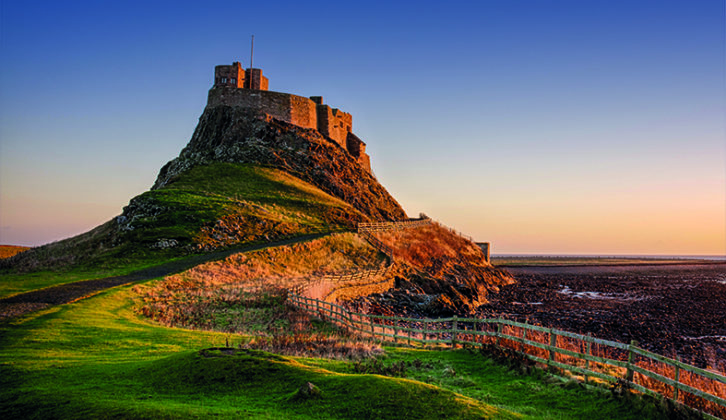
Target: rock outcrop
[
  {"x": 458, "y": 290},
  {"x": 236, "y": 135},
  {"x": 437, "y": 273}
]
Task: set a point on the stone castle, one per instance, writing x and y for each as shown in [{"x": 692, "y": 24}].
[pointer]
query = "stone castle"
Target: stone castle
[{"x": 248, "y": 88}]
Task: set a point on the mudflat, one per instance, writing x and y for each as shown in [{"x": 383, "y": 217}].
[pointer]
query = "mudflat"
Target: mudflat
[{"x": 674, "y": 310}]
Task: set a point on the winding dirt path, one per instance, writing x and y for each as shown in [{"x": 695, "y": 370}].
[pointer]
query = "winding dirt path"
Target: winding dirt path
[{"x": 25, "y": 303}]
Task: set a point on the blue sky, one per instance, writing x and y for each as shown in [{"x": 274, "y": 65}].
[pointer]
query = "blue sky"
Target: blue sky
[{"x": 541, "y": 126}]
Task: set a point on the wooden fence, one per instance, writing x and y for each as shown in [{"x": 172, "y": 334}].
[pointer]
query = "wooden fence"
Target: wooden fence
[
  {"x": 365, "y": 229},
  {"x": 377, "y": 244},
  {"x": 593, "y": 359},
  {"x": 387, "y": 226},
  {"x": 454, "y": 231},
  {"x": 327, "y": 285}
]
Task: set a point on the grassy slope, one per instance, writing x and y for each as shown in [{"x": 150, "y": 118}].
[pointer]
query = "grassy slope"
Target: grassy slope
[
  {"x": 96, "y": 358},
  {"x": 209, "y": 193},
  {"x": 276, "y": 204},
  {"x": 15, "y": 283},
  {"x": 534, "y": 395}
]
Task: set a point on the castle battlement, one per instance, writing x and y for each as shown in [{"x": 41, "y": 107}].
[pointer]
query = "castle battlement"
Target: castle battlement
[{"x": 248, "y": 88}]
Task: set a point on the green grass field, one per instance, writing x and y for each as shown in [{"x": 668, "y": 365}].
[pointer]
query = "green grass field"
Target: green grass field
[{"x": 97, "y": 359}]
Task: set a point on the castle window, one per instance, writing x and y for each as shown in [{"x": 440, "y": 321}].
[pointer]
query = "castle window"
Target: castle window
[{"x": 234, "y": 81}]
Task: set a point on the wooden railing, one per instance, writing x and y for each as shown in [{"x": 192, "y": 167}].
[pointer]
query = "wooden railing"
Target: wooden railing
[
  {"x": 327, "y": 285},
  {"x": 365, "y": 229},
  {"x": 455, "y": 232},
  {"x": 387, "y": 226},
  {"x": 377, "y": 244},
  {"x": 593, "y": 358}
]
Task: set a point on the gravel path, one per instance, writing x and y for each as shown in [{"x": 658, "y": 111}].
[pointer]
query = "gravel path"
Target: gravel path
[{"x": 32, "y": 301}]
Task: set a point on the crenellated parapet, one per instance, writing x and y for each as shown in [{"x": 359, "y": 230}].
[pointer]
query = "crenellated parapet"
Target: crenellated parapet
[{"x": 248, "y": 88}]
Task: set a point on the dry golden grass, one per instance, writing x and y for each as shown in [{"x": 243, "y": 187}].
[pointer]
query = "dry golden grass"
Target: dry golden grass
[
  {"x": 320, "y": 344},
  {"x": 283, "y": 266},
  {"x": 245, "y": 292},
  {"x": 440, "y": 262},
  {"x": 7, "y": 251},
  {"x": 431, "y": 247}
]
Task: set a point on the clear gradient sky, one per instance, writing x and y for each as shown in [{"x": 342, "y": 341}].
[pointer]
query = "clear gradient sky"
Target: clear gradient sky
[{"x": 576, "y": 127}]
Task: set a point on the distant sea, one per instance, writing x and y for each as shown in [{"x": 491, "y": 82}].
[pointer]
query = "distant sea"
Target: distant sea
[{"x": 660, "y": 257}]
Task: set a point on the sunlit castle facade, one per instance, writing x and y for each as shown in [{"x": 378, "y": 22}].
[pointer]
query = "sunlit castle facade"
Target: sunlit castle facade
[{"x": 248, "y": 88}]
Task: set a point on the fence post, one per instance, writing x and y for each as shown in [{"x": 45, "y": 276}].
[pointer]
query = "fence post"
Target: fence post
[
  {"x": 474, "y": 336},
  {"x": 553, "y": 345},
  {"x": 425, "y": 334},
  {"x": 588, "y": 351},
  {"x": 453, "y": 332},
  {"x": 631, "y": 356},
  {"x": 499, "y": 332},
  {"x": 677, "y": 379},
  {"x": 524, "y": 336}
]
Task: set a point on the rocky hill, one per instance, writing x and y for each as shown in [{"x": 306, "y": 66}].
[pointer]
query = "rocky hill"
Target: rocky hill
[
  {"x": 242, "y": 135},
  {"x": 243, "y": 178}
]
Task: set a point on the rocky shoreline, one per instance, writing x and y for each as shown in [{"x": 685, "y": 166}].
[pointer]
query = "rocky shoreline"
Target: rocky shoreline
[{"x": 674, "y": 310}]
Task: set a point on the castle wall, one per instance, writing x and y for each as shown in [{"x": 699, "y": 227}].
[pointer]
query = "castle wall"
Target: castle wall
[
  {"x": 335, "y": 124},
  {"x": 303, "y": 112},
  {"x": 357, "y": 149},
  {"x": 324, "y": 116},
  {"x": 283, "y": 106},
  {"x": 354, "y": 145},
  {"x": 365, "y": 161}
]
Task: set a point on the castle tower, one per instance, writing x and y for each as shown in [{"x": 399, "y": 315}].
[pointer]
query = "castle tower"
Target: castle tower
[
  {"x": 255, "y": 80},
  {"x": 234, "y": 76},
  {"x": 230, "y": 76}
]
